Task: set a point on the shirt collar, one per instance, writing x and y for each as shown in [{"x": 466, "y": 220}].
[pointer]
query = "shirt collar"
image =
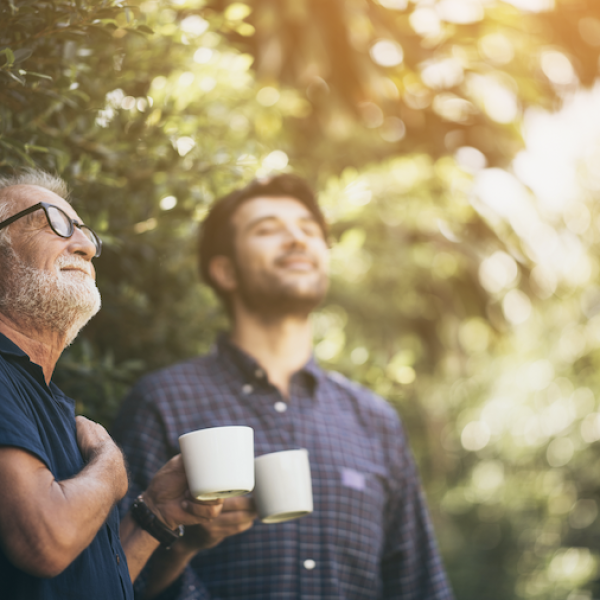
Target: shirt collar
[
  {"x": 7, "y": 346},
  {"x": 251, "y": 369}
]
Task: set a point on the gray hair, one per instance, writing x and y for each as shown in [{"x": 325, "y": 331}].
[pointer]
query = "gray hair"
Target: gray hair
[{"x": 27, "y": 176}]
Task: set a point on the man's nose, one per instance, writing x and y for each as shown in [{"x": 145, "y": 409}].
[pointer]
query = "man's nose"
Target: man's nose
[
  {"x": 295, "y": 236},
  {"x": 82, "y": 245}
]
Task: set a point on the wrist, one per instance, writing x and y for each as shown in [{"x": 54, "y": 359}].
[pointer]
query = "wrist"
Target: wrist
[
  {"x": 145, "y": 515},
  {"x": 149, "y": 502}
]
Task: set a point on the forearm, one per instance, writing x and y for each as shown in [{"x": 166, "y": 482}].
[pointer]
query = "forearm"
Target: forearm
[
  {"x": 167, "y": 499},
  {"x": 86, "y": 499},
  {"x": 137, "y": 544},
  {"x": 164, "y": 568},
  {"x": 47, "y": 523}
]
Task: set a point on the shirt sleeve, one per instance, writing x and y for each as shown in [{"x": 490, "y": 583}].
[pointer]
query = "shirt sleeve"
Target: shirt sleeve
[
  {"x": 140, "y": 431},
  {"x": 411, "y": 566},
  {"x": 18, "y": 427}
]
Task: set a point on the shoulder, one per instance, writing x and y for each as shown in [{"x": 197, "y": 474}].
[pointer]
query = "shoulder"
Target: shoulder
[
  {"x": 365, "y": 399},
  {"x": 190, "y": 382},
  {"x": 5, "y": 368},
  {"x": 192, "y": 372},
  {"x": 9, "y": 379}
]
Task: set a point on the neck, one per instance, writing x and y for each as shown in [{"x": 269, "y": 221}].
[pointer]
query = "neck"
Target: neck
[
  {"x": 281, "y": 345},
  {"x": 43, "y": 347}
]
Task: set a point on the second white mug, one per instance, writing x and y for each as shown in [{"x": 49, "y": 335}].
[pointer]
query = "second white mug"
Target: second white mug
[{"x": 283, "y": 486}]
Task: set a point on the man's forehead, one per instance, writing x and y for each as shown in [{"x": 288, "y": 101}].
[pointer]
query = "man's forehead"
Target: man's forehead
[
  {"x": 271, "y": 206},
  {"x": 21, "y": 197}
]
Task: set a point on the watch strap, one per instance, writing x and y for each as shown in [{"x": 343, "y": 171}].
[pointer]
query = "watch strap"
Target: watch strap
[{"x": 149, "y": 522}]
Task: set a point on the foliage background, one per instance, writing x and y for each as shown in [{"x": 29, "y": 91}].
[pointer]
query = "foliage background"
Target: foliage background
[{"x": 458, "y": 294}]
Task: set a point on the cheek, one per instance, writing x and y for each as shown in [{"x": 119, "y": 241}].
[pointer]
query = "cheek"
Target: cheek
[
  {"x": 257, "y": 253},
  {"x": 322, "y": 252}
]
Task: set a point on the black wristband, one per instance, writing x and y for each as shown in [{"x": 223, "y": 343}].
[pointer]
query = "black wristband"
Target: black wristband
[{"x": 149, "y": 522}]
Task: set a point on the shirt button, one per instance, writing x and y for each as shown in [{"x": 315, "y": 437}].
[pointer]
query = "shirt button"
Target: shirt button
[
  {"x": 247, "y": 389},
  {"x": 309, "y": 564},
  {"x": 118, "y": 559},
  {"x": 280, "y": 407},
  {"x": 192, "y": 588},
  {"x": 259, "y": 373}
]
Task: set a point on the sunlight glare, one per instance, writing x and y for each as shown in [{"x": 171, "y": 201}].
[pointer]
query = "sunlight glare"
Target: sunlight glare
[
  {"x": 194, "y": 25},
  {"x": 203, "y": 55},
  {"x": 276, "y": 160},
  {"x": 558, "y": 68},
  {"x": 425, "y": 22},
  {"x": 497, "y": 272},
  {"x": 460, "y": 11},
  {"x": 442, "y": 74},
  {"x": 387, "y": 53},
  {"x": 475, "y": 436},
  {"x": 497, "y": 48},
  {"x": 516, "y": 306},
  {"x": 533, "y": 5}
]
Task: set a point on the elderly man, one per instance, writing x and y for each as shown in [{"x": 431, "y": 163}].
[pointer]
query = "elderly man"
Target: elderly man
[
  {"x": 61, "y": 475},
  {"x": 264, "y": 252}
]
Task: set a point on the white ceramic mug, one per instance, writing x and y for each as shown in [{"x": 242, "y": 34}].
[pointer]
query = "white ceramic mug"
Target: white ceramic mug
[
  {"x": 283, "y": 486},
  {"x": 219, "y": 462}
]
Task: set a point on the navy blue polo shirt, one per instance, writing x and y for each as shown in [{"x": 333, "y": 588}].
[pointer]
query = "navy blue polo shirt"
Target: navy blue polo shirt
[{"x": 41, "y": 420}]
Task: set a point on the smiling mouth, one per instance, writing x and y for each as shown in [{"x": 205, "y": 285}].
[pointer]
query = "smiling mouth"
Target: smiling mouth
[
  {"x": 76, "y": 269},
  {"x": 303, "y": 262},
  {"x": 298, "y": 265}
]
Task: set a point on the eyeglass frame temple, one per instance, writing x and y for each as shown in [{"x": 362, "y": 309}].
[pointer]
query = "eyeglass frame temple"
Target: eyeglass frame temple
[
  {"x": 23, "y": 213},
  {"x": 44, "y": 206}
]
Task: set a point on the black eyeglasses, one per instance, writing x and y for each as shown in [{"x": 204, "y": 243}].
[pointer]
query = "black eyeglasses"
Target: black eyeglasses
[{"x": 59, "y": 222}]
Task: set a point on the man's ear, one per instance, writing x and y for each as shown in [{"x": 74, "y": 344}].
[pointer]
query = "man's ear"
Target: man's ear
[{"x": 222, "y": 272}]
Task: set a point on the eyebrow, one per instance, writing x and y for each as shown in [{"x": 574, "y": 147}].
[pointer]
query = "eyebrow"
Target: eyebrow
[{"x": 307, "y": 218}]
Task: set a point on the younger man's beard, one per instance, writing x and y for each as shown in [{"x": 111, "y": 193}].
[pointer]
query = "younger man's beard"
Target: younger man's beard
[
  {"x": 270, "y": 298},
  {"x": 43, "y": 301}
]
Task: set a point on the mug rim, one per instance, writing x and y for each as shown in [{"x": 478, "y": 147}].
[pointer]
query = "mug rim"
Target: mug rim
[
  {"x": 195, "y": 431},
  {"x": 305, "y": 450}
]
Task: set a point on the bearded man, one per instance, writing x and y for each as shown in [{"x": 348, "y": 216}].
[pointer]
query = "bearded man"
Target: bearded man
[
  {"x": 61, "y": 475},
  {"x": 264, "y": 252}
]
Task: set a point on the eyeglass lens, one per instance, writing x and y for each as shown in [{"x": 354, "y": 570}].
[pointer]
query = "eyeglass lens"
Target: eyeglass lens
[
  {"x": 63, "y": 225},
  {"x": 59, "y": 221}
]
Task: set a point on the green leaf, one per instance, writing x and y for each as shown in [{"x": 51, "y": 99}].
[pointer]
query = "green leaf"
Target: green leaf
[
  {"x": 99, "y": 30},
  {"x": 15, "y": 148},
  {"x": 17, "y": 78},
  {"x": 131, "y": 30},
  {"x": 40, "y": 75},
  {"x": 112, "y": 25},
  {"x": 108, "y": 13},
  {"x": 10, "y": 57},
  {"x": 145, "y": 29},
  {"x": 33, "y": 148}
]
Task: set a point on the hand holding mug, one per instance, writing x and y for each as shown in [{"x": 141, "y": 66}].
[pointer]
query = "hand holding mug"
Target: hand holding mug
[
  {"x": 168, "y": 498},
  {"x": 237, "y": 516}
]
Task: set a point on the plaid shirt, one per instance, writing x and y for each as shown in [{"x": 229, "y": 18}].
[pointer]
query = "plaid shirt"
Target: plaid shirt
[{"x": 369, "y": 537}]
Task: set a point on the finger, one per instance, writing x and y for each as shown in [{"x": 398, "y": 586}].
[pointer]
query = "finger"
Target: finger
[
  {"x": 202, "y": 510},
  {"x": 204, "y": 518},
  {"x": 176, "y": 463},
  {"x": 212, "y": 502},
  {"x": 239, "y": 503},
  {"x": 218, "y": 531},
  {"x": 229, "y": 519}
]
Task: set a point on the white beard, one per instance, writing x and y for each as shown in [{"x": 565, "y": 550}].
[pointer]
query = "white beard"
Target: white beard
[{"x": 44, "y": 301}]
